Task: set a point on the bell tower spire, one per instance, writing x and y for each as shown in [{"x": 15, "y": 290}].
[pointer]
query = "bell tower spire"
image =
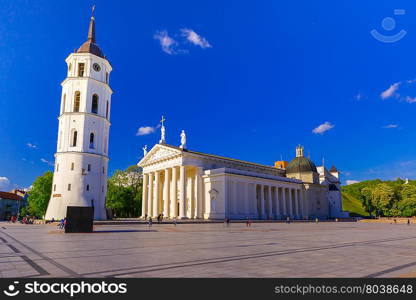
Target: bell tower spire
[
  {"x": 91, "y": 29},
  {"x": 90, "y": 45}
]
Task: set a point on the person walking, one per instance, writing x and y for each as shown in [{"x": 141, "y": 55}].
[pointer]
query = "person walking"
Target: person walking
[
  {"x": 174, "y": 221},
  {"x": 408, "y": 221},
  {"x": 150, "y": 221}
]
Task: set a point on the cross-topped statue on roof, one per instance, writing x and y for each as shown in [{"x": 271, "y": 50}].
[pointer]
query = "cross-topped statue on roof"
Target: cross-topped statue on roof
[
  {"x": 162, "y": 131},
  {"x": 92, "y": 11}
]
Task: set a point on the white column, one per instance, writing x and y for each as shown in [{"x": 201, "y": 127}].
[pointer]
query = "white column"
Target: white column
[
  {"x": 156, "y": 195},
  {"x": 166, "y": 194},
  {"x": 290, "y": 203},
  {"x": 270, "y": 202},
  {"x": 182, "y": 192},
  {"x": 192, "y": 197},
  {"x": 150, "y": 196},
  {"x": 277, "y": 202},
  {"x": 296, "y": 203},
  {"x": 144, "y": 194},
  {"x": 199, "y": 193},
  {"x": 306, "y": 204},
  {"x": 247, "y": 199},
  {"x": 284, "y": 202},
  {"x": 174, "y": 195},
  {"x": 262, "y": 202},
  {"x": 302, "y": 212}
]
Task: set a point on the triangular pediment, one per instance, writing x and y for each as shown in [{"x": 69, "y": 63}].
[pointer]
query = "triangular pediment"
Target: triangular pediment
[{"x": 159, "y": 152}]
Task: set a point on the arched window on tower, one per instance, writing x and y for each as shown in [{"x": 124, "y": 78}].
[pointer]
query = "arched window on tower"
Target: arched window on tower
[
  {"x": 77, "y": 101},
  {"x": 92, "y": 141},
  {"x": 60, "y": 140},
  {"x": 74, "y": 138},
  {"x": 106, "y": 111},
  {"x": 63, "y": 104},
  {"x": 94, "y": 104}
]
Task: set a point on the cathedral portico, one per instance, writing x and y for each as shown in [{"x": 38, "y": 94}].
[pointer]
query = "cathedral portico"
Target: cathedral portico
[{"x": 185, "y": 184}]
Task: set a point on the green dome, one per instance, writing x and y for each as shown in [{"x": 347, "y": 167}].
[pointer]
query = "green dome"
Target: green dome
[{"x": 301, "y": 164}]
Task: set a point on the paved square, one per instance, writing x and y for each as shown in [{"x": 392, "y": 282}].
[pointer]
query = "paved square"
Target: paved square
[{"x": 210, "y": 250}]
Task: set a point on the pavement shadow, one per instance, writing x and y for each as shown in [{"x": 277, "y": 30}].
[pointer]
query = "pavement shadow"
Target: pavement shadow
[{"x": 107, "y": 231}]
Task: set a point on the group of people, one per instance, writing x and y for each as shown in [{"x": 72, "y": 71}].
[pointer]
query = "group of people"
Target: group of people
[
  {"x": 159, "y": 220},
  {"x": 24, "y": 220}
]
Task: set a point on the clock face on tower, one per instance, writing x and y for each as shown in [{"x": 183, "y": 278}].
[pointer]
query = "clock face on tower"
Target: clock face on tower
[{"x": 96, "y": 67}]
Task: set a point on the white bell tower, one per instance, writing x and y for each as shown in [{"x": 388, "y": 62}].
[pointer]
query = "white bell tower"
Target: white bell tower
[{"x": 81, "y": 159}]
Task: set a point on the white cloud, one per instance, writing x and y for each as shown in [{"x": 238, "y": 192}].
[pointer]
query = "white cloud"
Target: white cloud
[
  {"x": 390, "y": 91},
  {"x": 30, "y": 145},
  {"x": 145, "y": 130},
  {"x": 351, "y": 182},
  {"x": 389, "y": 126},
  {"x": 46, "y": 161},
  {"x": 167, "y": 43},
  {"x": 410, "y": 99},
  {"x": 321, "y": 129},
  {"x": 359, "y": 96},
  {"x": 5, "y": 184},
  {"x": 195, "y": 38}
]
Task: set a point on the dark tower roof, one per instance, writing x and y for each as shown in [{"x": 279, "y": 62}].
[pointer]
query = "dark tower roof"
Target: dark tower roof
[
  {"x": 333, "y": 169},
  {"x": 90, "y": 46},
  {"x": 301, "y": 164}
]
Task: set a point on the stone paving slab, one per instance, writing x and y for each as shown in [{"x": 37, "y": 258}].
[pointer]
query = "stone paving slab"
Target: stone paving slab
[{"x": 330, "y": 249}]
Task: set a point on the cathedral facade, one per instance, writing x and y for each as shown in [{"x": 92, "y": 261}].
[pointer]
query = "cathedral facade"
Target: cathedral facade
[{"x": 185, "y": 184}]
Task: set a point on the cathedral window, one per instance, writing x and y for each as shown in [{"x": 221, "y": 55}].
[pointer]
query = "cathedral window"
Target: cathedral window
[
  {"x": 63, "y": 104},
  {"x": 72, "y": 166},
  {"x": 88, "y": 187},
  {"x": 54, "y": 187},
  {"x": 77, "y": 101},
  {"x": 106, "y": 77},
  {"x": 94, "y": 105},
  {"x": 74, "y": 138},
  {"x": 57, "y": 167},
  {"x": 89, "y": 167},
  {"x": 81, "y": 67},
  {"x": 69, "y": 186},
  {"x": 106, "y": 111},
  {"x": 70, "y": 67},
  {"x": 92, "y": 141}
]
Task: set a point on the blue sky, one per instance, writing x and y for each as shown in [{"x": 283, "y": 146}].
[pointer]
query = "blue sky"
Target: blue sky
[{"x": 245, "y": 79}]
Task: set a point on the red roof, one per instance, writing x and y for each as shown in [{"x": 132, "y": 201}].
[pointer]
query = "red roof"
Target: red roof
[{"x": 10, "y": 196}]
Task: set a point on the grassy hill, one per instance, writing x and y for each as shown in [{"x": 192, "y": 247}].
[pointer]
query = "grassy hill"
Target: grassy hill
[{"x": 352, "y": 205}]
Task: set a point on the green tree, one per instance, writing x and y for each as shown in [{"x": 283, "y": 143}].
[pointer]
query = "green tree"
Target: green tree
[
  {"x": 407, "y": 205},
  {"x": 383, "y": 198},
  {"x": 366, "y": 197},
  {"x": 125, "y": 192},
  {"x": 39, "y": 195}
]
